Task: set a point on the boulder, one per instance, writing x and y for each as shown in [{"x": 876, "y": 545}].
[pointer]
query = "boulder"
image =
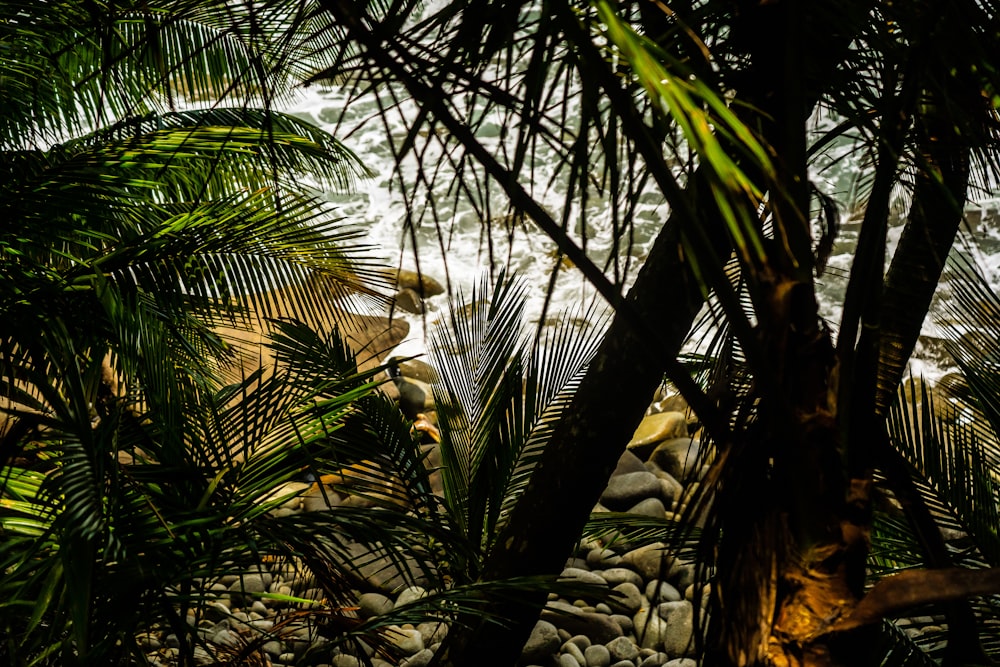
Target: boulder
[
  {"x": 648, "y": 560},
  {"x": 409, "y": 301},
  {"x": 657, "y": 428},
  {"x": 624, "y": 491},
  {"x": 542, "y": 644},
  {"x": 416, "y": 369},
  {"x": 678, "y": 457},
  {"x": 678, "y": 640},
  {"x": 651, "y": 507},
  {"x": 650, "y": 629},
  {"x": 419, "y": 282},
  {"x": 628, "y": 462},
  {"x": 598, "y": 627}
]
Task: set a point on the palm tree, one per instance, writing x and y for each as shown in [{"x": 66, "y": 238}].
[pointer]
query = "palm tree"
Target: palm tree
[
  {"x": 709, "y": 106},
  {"x": 154, "y": 202}
]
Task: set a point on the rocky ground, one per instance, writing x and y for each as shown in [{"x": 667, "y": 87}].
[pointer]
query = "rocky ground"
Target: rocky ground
[{"x": 641, "y": 613}]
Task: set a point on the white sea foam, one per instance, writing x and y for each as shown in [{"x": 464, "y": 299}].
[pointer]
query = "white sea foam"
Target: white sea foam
[{"x": 452, "y": 245}]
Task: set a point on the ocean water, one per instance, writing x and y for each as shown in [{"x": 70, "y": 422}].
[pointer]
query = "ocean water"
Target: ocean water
[{"x": 448, "y": 241}]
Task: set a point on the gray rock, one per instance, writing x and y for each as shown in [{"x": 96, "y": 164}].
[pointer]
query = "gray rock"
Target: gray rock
[
  {"x": 681, "y": 662},
  {"x": 651, "y": 507},
  {"x": 660, "y": 591},
  {"x": 682, "y": 575},
  {"x": 415, "y": 396},
  {"x": 624, "y": 663},
  {"x": 597, "y": 655},
  {"x": 628, "y": 462},
  {"x": 599, "y": 559},
  {"x": 656, "y": 660},
  {"x": 583, "y": 641},
  {"x": 622, "y": 648},
  {"x": 317, "y": 500},
  {"x": 373, "y": 604},
  {"x": 598, "y": 627},
  {"x": 621, "y": 575},
  {"x": 670, "y": 489},
  {"x": 624, "y": 622},
  {"x": 274, "y": 648},
  {"x": 678, "y": 641},
  {"x": 602, "y": 608},
  {"x": 433, "y": 632},
  {"x": 249, "y": 584},
  {"x": 542, "y": 644},
  {"x": 572, "y": 649},
  {"x": 577, "y": 575},
  {"x": 410, "y": 594},
  {"x": 567, "y": 660},
  {"x": 626, "y": 490},
  {"x": 627, "y": 598},
  {"x": 650, "y": 629},
  {"x": 344, "y": 660},
  {"x": 647, "y": 560},
  {"x": 407, "y": 640},
  {"x": 677, "y": 457},
  {"x": 421, "y": 658}
]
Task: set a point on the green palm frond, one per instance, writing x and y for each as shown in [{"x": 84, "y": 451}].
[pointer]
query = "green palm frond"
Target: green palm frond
[{"x": 498, "y": 400}]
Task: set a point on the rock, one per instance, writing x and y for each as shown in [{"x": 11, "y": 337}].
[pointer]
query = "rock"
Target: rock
[
  {"x": 597, "y": 655},
  {"x": 373, "y": 604},
  {"x": 670, "y": 489},
  {"x": 657, "y": 428},
  {"x": 421, "y": 658},
  {"x": 572, "y": 649},
  {"x": 383, "y": 573},
  {"x": 622, "y": 648},
  {"x": 582, "y": 641},
  {"x": 542, "y": 644},
  {"x": 598, "y": 627},
  {"x": 624, "y": 491},
  {"x": 410, "y": 594},
  {"x": 243, "y": 589},
  {"x": 409, "y": 300},
  {"x": 660, "y": 591},
  {"x": 678, "y": 457},
  {"x": 624, "y": 622},
  {"x": 288, "y": 493},
  {"x": 318, "y": 499},
  {"x": 648, "y": 560},
  {"x": 624, "y": 663},
  {"x": 628, "y": 599},
  {"x": 433, "y": 632},
  {"x": 371, "y": 338},
  {"x": 650, "y": 629},
  {"x": 584, "y": 577},
  {"x": 420, "y": 282},
  {"x": 602, "y": 558},
  {"x": 681, "y": 662},
  {"x": 415, "y": 396},
  {"x": 682, "y": 575},
  {"x": 678, "y": 641},
  {"x": 407, "y": 640},
  {"x": 416, "y": 369},
  {"x": 620, "y": 575},
  {"x": 628, "y": 462},
  {"x": 567, "y": 660},
  {"x": 658, "y": 659},
  {"x": 651, "y": 507}
]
